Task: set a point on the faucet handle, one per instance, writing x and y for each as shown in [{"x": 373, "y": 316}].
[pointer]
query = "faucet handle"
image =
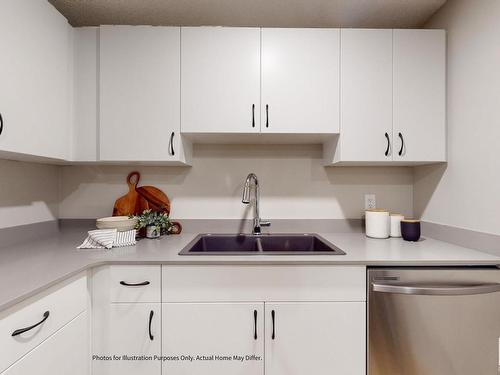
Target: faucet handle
[{"x": 265, "y": 223}]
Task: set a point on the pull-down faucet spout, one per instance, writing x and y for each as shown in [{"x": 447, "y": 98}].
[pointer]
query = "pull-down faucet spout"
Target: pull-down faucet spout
[{"x": 257, "y": 221}]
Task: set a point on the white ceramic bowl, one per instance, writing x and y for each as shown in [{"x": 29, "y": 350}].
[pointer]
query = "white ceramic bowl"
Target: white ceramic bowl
[{"x": 121, "y": 223}]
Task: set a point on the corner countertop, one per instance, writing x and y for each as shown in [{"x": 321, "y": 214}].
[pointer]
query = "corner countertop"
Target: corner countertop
[{"x": 32, "y": 266}]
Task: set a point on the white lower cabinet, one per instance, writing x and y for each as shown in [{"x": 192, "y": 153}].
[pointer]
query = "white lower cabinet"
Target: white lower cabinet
[
  {"x": 127, "y": 330},
  {"x": 66, "y": 352},
  {"x": 245, "y": 326},
  {"x": 284, "y": 338},
  {"x": 320, "y": 338},
  {"x": 216, "y": 332}
]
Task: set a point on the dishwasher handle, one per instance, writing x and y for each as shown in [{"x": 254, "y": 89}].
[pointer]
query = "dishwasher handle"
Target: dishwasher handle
[{"x": 435, "y": 289}]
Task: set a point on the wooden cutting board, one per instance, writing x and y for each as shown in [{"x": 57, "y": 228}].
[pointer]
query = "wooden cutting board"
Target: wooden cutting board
[
  {"x": 157, "y": 199},
  {"x": 142, "y": 198},
  {"x": 132, "y": 203}
]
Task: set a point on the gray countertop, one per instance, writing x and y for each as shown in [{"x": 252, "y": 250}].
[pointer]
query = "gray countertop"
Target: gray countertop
[{"x": 29, "y": 267}]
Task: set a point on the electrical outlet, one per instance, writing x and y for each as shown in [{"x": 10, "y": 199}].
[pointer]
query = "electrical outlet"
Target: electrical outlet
[{"x": 370, "y": 202}]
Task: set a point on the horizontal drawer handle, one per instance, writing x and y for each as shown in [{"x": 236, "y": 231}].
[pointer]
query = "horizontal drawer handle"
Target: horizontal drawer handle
[
  {"x": 144, "y": 283},
  {"x": 22, "y": 330}
]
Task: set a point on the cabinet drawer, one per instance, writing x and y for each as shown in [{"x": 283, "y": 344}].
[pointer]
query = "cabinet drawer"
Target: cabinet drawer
[
  {"x": 63, "y": 303},
  {"x": 263, "y": 283},
  {"x": 65, "y": 352},
  {"x": 134, "y": 283}
]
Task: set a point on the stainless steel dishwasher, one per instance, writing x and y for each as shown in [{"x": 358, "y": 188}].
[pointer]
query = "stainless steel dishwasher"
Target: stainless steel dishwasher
[{"x": 433, "y": 321}]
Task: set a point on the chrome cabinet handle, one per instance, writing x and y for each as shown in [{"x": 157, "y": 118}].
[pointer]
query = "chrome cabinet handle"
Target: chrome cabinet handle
[
  {"x": 151, "y": 337},
  {"x": 255, "y": 324},
  {"x": 172, "y": 152},
  {"x": 388, "y": 144},
  {"x": 1, "y": 123},
  {"x": 267, "y": 115},
  {"x": 402, "y": 144},
  {"x": 273, "y": 335},
  {"x": 22, "y": 330},
  {"x": 436, "y": 289},
  {"x": 144, "y": 283},
  {"x": 253, "y": 115}
]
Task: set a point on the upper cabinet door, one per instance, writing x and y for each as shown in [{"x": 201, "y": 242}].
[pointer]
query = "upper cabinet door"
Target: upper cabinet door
[
  {"x": 366, "y": 95},
  {"x": 220, "y": 80},
  {"x": 140, "y": 94},
  {"x": 35, "y": 79},
  {"x": 300, "y": 81},
  {"x": 419, "y": 95}
]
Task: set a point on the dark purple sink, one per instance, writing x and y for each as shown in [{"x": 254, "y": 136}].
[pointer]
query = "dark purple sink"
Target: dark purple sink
[{"x": 249, "y": 244}]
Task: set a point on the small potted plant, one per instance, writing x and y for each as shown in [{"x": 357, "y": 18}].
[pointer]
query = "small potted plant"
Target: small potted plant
[{"x": 156, "y": 223}]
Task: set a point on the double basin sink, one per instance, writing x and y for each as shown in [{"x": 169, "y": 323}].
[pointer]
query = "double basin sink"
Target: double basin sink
[{"x": 249, "y": 244}]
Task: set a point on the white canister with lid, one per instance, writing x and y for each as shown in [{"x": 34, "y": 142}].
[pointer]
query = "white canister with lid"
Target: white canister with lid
[
  {"x": 377, "y": 223},
  {"x": 396, "y": 225}
]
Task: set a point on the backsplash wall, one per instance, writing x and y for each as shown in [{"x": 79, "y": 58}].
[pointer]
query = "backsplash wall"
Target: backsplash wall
[
  {"x": 294, "y": 184},
  {"x": 29, "y": 193}
]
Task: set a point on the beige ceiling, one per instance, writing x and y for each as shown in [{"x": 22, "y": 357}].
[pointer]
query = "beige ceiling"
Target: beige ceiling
[{"x": 270, "y": 13}]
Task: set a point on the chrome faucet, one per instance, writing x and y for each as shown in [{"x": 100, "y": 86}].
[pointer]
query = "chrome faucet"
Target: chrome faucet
[{"x": 257, "y": 221}]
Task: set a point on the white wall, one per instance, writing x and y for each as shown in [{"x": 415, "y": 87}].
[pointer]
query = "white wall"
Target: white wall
[
  {"x": 466, "y": 193},
  {"x": 294, "y": 184},
  {"x": 28, "y": 193}
]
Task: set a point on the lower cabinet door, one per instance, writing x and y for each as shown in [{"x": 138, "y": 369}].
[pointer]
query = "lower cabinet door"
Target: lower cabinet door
[
  {"x": 65, "y": 352},
  {"x": 213, "y": 338},
  {"x": 127, "y": 337},
  {"x": 320, "y": 338}
]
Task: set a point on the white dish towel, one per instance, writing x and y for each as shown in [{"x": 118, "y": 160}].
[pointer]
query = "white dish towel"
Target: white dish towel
[{"x": 108, "y": 238}]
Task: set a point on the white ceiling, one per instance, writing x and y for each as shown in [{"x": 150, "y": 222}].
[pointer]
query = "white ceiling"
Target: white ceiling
[{"x": 270, "y": 13}]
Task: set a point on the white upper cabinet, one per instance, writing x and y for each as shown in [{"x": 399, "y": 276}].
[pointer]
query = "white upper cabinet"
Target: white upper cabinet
[
  {"x": 366, "y": 95},
  {"x": 420, "y": 95},
  {"x": 140, "y": 94},
  {"x": 300, "y": 81},
  {"x": 393, "y": 92},
  {"x": 220, "y": 80},
  {"x": 35, "y": 79},
  {"x": 85, "y": 109}
]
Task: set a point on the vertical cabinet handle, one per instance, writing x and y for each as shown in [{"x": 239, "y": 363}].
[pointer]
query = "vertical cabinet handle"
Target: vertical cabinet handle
[
  {"x": 1, "y": 123},
  {"x": 172, "y": 152},
  {"x": 255, "y": 324},
  {"x": 22, "y": 330},
  {"x": 402, "y": 144},
  {"x": 151, "y": 337},
  {"x": 253, "y": 115},
  {"x": 267, "y": 115},
  {"x": 273, "y": 319},
  {"x": 388, "y": 144}
]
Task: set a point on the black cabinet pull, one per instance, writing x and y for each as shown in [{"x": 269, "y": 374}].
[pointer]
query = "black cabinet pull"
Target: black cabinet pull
[
  {"x": 402, "y": 144},
  {"x": 22, "y": 330},
  {"x": 151, "y": 337},
  {"x": 172, "y": 152},
  {"x": 255, "y": 324},
  {"x": 272, "y": 316},
  {"x": 253, "y": 115},
  {"x": 388, "y": 144},
  {"x": 144, "y": 283},
  {"x": 267, "y": 115},
  {"x": 1, "y": 123}
]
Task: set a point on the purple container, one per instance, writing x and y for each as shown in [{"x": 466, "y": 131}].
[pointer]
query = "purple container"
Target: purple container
[{"x": 410, "y": 230}]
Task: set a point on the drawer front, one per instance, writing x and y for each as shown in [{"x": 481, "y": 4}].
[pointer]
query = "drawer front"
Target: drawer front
[
  {"x": 135, "y": 283},
  {"x": 63, "y": 303},
  {"x": 263, "y": 283},
  {"x": 65, "y": 352}
]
